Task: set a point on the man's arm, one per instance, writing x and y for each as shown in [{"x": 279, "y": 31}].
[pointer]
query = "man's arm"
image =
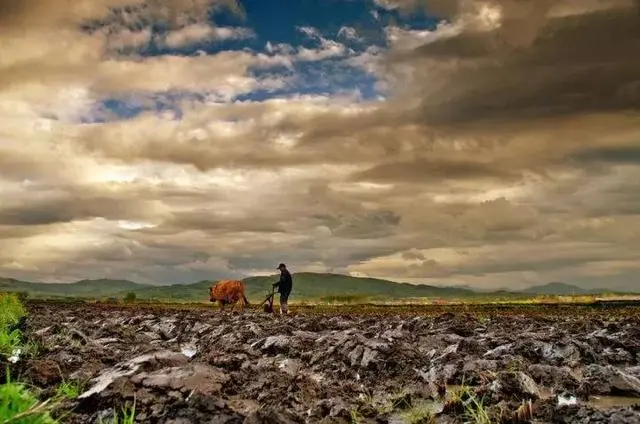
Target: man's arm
[{"x": 277, "y": 283}]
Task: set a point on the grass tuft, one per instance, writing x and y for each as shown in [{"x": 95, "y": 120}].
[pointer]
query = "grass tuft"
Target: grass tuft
[
  {"x": 11, "y": 309},
  {"x": 419, "y": 414},
  {"x": 127, "y": 415},
  {"x": 18, "y": 405},
  {"x": 69, "y": 389},
  {"x": 474, "y": 408}
]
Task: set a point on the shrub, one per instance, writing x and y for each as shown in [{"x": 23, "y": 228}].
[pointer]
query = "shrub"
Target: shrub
[
  {"x": 130, "y": 297},
  {"x": 11, "y": 310}
]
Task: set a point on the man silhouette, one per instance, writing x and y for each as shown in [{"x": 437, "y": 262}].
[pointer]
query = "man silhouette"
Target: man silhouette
[{"x": 285, "y": 284}]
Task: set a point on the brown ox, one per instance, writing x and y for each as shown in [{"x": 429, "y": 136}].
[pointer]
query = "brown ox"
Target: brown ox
[{"x": 228, "y": 292}]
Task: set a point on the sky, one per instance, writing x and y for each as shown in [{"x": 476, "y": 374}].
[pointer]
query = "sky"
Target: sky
[{"x": 489, "y": 143}]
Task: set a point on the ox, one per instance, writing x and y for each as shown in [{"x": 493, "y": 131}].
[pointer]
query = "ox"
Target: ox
[{"x": 228, "y": 292}]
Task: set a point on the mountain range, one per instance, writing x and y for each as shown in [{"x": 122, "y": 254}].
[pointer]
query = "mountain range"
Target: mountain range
[{"x": 307, "y": 286}]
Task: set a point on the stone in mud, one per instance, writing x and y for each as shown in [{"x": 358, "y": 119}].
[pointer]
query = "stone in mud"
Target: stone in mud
[
  {"x": 562, "y": 355},
  {"x": 551, "y": 376},
  {"x": 617, "y": 356},
  {"x": 600, "y": 379},
  {"x": 276, "y": 344},
  {"x": 290, "y": 366},
  {"x": 148, "y": 361},
  {"x": 634, "y": 371},
  {"x": 516, "y": 384},
  {"x": 447, "y": 354},
  {"x": 499, "y": 351},
  {"x": 197, "y": 378},
  {"x": 355, "y": 355},
  {"x": 166, "y": 330},
  {"x": 368, "y": 357}
]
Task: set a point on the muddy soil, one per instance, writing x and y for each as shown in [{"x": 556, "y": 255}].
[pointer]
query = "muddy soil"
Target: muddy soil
[{"x": 201, "y": 366}]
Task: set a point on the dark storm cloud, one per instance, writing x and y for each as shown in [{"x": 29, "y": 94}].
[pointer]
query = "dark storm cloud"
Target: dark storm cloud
[
  {"x": 210, "y": 221},
  {"x": 367, "y": 225},
  {"x": 616, "y": 155},
  {"x": 73, "y": 206},
  {"x": 577, "y": 64},
  {"x": 426, "y": 170}
]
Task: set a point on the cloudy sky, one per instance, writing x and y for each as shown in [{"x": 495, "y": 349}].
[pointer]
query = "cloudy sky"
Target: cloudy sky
[{"x": 493, "y": 143}]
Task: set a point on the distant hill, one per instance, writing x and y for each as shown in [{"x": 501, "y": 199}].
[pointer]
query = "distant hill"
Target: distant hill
[
  {"x": 562, "y": 289},
  {"x": 307, "y": 286},
  {"x": 89, "y": 288},
  {"x": 311, "y": 286}
]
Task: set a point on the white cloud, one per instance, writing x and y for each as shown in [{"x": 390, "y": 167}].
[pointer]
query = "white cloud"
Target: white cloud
[{"x": 199, "y": 33}]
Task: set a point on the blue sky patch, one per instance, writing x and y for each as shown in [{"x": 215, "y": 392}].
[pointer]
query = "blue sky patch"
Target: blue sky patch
[{"x": 319, "y": 36}]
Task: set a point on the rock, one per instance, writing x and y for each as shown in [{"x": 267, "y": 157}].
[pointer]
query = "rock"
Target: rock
[
  {"x": 498, "y": 352},
  {"x": 368, "y": 357},
  {"x": 150, "y": 361},
  {"x": 355, "y": 355},
  {"x": 552, "y": 376},
  {"x": 569, "y": 354},
  {"x": 290, "y": 366},
  {"x": 198, "y": 378},
  {"x": 516, "y": 384},
  {"x": 600, "y": 379},
  {"x": 617, "y": 356},
  {"x": 447, "y": 353},
  {"x": 276, "y": 344}
]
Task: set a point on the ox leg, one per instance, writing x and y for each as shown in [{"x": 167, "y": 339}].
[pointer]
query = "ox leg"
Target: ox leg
[{"x": 221, "y": 304}]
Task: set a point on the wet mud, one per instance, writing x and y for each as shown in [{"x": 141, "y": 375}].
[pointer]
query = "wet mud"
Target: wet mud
[{"x": 184, "y": 366}]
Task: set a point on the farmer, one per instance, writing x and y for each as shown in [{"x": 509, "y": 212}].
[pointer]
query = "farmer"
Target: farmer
[{"x": 285, "y": 284}]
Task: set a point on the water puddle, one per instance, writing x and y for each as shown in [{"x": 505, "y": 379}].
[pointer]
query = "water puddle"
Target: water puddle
[
  {"x": 606, "y": 402},
  {"x": 598, "y": 402}
]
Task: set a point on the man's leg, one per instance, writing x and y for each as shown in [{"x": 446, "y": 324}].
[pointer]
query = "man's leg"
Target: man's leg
[{"x": 284, "y": 297}]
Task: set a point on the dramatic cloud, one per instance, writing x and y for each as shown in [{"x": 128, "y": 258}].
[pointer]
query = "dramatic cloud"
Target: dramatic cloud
[{"x": 497, "y": 147}]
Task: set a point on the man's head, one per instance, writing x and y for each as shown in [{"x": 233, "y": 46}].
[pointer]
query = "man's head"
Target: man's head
[{"x": 282, "y": 267}]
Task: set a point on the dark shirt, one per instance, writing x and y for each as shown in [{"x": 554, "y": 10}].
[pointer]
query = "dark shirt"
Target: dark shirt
[{"x": 285, "y": 284}]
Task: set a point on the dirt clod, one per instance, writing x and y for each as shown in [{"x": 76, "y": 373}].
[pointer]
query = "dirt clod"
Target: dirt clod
[{"x": 184, "y": 365}]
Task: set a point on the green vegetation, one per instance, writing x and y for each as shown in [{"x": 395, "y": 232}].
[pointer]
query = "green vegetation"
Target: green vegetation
[
  {"x": 474, "y": 409},
  {"x": 130, "y": 297},
  {"x": 69, "y": 389},
  {"x": 19, "y": 405},
  {"x": 11, "y": 310},
  {"x": 419, "y": 414},
  {"x": 127, "y": 415}
]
